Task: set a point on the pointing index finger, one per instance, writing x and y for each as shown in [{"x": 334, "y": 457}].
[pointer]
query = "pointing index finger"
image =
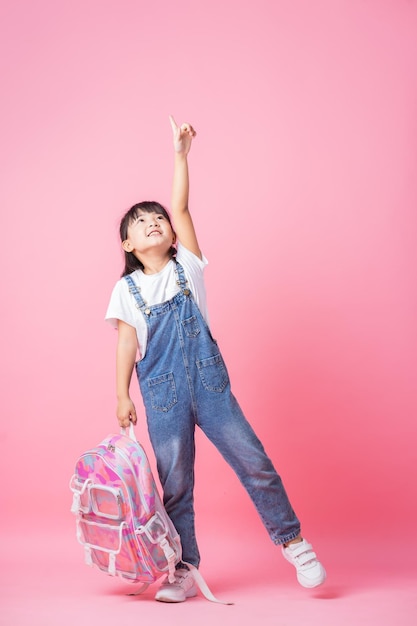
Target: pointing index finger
[{"x": 173, "y": 124}]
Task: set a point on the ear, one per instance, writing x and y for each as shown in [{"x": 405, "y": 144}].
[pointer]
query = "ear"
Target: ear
[
  {"x": 127, "y": 246},
  {"x": 174, "y": 237}
]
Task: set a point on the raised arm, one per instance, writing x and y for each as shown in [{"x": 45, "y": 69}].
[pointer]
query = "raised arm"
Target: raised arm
[{"x": 183, "y": 223}]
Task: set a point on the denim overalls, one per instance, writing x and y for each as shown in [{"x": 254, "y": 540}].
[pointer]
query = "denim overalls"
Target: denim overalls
[{"x": 184, "y": 383}]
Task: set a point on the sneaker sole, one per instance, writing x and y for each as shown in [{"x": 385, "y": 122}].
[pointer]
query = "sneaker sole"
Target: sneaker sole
[{"x": 309, "y": 584}]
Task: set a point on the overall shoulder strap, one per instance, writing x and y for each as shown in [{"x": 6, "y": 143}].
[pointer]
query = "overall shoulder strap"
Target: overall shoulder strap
[
  {"x": 182, "y": 281},
  {"x": 135, "y": 291}
]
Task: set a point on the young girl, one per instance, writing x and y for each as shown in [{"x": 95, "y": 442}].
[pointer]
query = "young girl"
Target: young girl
[{"x": 159, "y": 306}]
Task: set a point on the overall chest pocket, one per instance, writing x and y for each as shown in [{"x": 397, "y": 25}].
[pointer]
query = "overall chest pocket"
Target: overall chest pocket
[
  {"x": 213, "y": 373},
  {"x": 191, "y": 326}
]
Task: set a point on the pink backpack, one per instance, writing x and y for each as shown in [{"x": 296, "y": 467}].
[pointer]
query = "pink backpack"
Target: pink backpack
[{"x": 120, "y": 519}]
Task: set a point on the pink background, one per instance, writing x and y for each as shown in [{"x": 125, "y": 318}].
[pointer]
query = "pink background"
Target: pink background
[{"x": 304, "y": 193}]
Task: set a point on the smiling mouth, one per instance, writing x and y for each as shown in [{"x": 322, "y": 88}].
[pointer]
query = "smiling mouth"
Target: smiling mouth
[{"x": 154, "y": 232}]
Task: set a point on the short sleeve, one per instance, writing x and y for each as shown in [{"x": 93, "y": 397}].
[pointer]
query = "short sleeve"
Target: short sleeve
[{"x": 120, "y": 307}]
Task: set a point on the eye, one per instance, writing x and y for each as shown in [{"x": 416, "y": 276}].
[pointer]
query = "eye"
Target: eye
[{"x": 160, "y": 217}]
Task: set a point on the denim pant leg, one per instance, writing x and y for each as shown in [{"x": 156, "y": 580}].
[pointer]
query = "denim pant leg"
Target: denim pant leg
[
  {"x": 174, "y": 447},
  {"x": 226, "y": 426}
]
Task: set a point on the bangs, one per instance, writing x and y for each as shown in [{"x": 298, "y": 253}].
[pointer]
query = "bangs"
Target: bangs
[{"x": 146, "y": 207}]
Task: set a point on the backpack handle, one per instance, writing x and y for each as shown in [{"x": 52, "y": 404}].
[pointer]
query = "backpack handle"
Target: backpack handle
[{"x": 129, "y": 432}]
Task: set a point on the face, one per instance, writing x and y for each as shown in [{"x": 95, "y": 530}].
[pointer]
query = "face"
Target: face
[{"x": 149, "y": 232}]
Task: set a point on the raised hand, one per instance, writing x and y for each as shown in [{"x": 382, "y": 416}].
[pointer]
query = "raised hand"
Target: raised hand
[{"x": 182, "y": 136}]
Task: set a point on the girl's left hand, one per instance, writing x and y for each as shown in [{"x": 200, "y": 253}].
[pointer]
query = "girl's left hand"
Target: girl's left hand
[{"x": 183, "y": 136}]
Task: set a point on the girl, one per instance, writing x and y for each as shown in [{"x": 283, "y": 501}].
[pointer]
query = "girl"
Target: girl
[{"x": 159, "y": 306}]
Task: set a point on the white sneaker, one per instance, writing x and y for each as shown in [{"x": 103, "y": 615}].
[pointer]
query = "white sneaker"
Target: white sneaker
[
  {"x": 310, "y": 572},
  {"x": 184, "y": 587}
]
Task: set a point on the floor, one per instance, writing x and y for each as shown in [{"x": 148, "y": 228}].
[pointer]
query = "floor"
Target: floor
[{"x": 44, "y": 582}]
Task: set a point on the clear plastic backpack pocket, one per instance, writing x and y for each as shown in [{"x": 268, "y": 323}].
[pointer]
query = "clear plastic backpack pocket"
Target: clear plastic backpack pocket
[
  {"x": 106, "y": 502},
  {"x": 155, "y": 530}
]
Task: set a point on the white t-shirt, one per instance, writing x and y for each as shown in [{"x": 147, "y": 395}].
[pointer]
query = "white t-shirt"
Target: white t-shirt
[{"x": 155, "y": 289}]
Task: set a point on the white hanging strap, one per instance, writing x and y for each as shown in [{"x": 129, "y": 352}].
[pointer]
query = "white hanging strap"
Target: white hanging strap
[
  {"x": 142, "y": 588},
  {"x": 171, "y": 558},
  {"x": 76, "y": 503},
  {"x": 202, "y": 585},
  {"x": 112, "y": 564},
  {"x": 80, "y": 489},
  {"x": 87, "y": 556}
]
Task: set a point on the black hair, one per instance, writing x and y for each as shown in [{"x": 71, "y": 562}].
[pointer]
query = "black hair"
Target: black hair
[{"x": 132, "y": 263}]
